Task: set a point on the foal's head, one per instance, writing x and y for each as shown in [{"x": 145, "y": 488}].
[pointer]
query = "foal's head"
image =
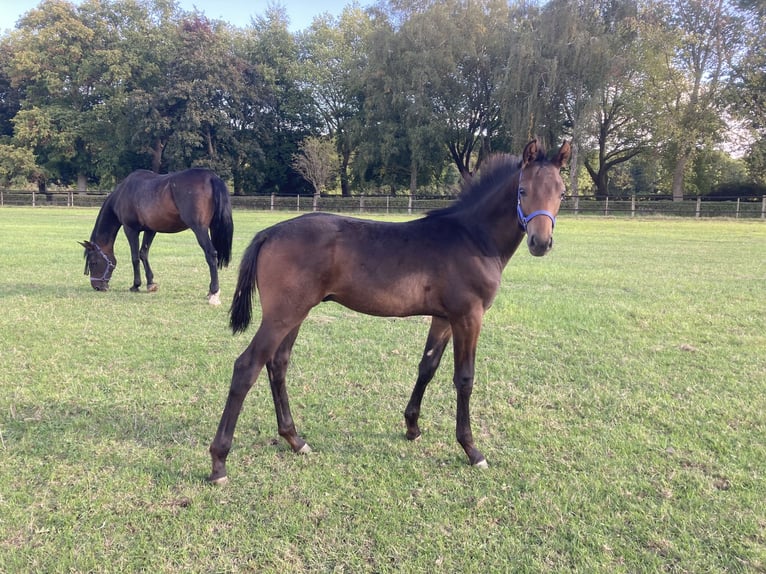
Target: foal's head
[
  {"x": 99, "y": 264},
  {"x": 540, "y": 192}
]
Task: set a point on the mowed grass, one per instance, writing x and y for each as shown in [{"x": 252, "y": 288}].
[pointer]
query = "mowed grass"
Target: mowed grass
[{"x": 620, "y": 399}]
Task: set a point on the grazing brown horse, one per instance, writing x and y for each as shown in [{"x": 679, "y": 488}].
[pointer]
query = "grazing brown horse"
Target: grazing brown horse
[
  {"x": 447, "y": 264},
  {"x": 193, "y": 199}
]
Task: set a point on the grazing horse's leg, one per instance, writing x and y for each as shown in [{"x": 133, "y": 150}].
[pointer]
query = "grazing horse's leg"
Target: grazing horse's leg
[
  {"x": 143, "y": 255},
  {"x": 247, "y": 367},
  {"x": 211, "y": 256},
  {"x": 438, "y": 337},
  {"x": 277, "y": 367},
  {"x": 466, "y": 335},
  {"x": 132, "y": 235}
]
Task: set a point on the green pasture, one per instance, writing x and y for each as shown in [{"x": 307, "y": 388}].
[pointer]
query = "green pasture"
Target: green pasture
[{"x": 620, "y": 400}]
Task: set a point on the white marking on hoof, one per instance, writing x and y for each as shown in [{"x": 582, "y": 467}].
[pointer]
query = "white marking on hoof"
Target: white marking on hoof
[
  {"x": 152, "y": 288},
  {"x": 214, "y": 298},
  {"x": 305, "y": 449},
  {"x": 220, "y": 481},
  {"x": 481, "y": 464}
]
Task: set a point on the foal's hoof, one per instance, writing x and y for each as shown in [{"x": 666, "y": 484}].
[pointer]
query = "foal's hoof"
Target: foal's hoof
[
  {"x": 481, "y": 464},
  {"x": 214, "y": 298},
  {"x": 305, "y": 449},
  {"x": 152, "y": 287}
]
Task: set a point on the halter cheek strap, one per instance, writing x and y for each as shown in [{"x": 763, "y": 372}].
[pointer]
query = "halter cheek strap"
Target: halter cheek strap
[{"x": 525, "y": 219}]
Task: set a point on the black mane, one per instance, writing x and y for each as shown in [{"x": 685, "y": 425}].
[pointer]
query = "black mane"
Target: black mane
[{"x": 497, "y": 170}]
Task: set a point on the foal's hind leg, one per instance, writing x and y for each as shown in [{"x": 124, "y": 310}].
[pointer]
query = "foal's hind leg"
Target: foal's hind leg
[
  {"x": 438, "y": 337},
  {"x": 277, "y": 367},
  {"x": 211, "y": 256},
  {"x": 247, "y": 367}
]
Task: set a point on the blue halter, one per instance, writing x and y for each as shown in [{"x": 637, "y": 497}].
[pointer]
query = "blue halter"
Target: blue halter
[{"x": 524, "y": 220}]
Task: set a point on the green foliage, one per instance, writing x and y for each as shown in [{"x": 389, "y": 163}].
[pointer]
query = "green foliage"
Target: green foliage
[
  {"x": 17, "y": 167},
  {"x": 409, "y": 92},
  {"x": 619, "y": 398}
]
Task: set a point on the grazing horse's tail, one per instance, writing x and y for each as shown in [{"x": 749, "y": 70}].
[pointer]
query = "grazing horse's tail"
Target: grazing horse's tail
[
  {"x": 222, "y": 225},
  {"x": 242, "y": 305}
]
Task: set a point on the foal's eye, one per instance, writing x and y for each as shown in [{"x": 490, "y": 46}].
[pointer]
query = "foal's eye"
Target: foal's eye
[
  {"x": 563, "y": 195},
  {"x": 522, "y": 191}
]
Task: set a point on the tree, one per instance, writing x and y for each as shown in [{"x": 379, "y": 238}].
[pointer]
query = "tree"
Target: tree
[
  {"x": 748, "y": 87},
  {"x": 708, "y": 40},
  {"x": 316, "y": 162},
  {"x": 285, "y": 112},
  {"x": 53, "y": 61},
  {"x": 18, "y": 167},
  {"x": 333, "y": 56}
]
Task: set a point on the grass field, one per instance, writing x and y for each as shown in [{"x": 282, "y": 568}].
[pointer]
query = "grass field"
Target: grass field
[{"x": 620, "y": 400}]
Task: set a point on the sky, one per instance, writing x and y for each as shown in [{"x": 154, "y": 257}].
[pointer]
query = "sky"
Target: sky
[{"x": 237, "y": 12}]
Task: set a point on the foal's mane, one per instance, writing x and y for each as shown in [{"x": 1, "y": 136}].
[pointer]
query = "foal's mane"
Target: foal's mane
[{"x": 495, "y": 172}]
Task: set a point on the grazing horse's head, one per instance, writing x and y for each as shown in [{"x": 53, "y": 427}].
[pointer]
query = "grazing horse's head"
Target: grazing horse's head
[
  {"x": 540, "y": 191},
  {"x": 99, "y": 264}
]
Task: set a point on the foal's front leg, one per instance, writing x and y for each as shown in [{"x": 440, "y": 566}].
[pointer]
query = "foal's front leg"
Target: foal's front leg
[{"x": 466, "y": 332}]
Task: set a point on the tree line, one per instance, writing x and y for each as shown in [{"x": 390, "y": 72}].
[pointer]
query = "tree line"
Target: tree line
[{"x": 657, "y": 96}]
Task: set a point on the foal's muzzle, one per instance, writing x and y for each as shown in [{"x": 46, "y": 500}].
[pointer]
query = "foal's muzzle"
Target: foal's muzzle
[{"x": 539, "y": 245}]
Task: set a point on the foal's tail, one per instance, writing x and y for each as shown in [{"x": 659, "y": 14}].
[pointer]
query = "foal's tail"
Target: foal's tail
[
  {"x": 222, "y": 225},
  {"x": 242, "y": 305}
]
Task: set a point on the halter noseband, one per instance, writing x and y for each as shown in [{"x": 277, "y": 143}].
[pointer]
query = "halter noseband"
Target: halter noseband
[
  {"x": 109, "y": 266},
  {"x": 524, "y": 220}
]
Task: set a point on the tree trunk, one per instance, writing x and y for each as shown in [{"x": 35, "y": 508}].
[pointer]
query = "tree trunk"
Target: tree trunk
[
  {"x": 574, "y": 190},
  {"x": 413, "y": 176},
  {"x": 157, "y": 155},
  {"x": 678, "y": 177},
  {"x": 345, "y": 189},
  {"x": 82, "y": 182}
]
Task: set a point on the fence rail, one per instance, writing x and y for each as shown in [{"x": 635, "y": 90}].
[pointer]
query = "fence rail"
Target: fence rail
[{"x": 635, "y": 206}]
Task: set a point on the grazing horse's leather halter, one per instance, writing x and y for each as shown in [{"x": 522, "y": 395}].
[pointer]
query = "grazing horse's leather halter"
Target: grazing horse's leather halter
[
  {"x": 107, "y": 270},
  {"x": 525, "y": 219}
]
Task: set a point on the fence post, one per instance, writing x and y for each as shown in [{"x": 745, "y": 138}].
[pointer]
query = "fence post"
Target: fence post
[
  {"x": 606, "y": 206},
  {"x": 388, "y": 197},
  {"x": 633, "y": 205},
  {"x": 576, "y": 204},
  {"x": 763, "y": 207},
  {"x": 361, "y": 203},
  {"x": 737, "y": 208},
  {"x": 316, "y": 201},
  {"x": 34, "y": 198},
  {"x": 298, "y": 202},
  {"x": 409, "y": 204},
  {"x": 699, "y": 207},
  {"x": 2, "y": 199},
  {"x": 272, "y": 202}
]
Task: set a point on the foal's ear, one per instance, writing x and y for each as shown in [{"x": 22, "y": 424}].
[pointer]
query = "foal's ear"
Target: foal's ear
[
  {"x": 530, "y": 153},
  {"x": 563, "y": 156},
  {"x": 86, "y": 244}
]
